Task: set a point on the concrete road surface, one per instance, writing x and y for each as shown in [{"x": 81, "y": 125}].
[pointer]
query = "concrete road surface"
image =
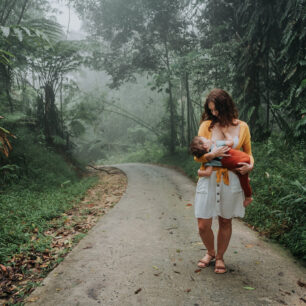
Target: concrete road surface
[{"x": 145, "y": 252}]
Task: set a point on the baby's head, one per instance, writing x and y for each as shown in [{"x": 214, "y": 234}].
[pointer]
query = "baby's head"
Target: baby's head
[{"x": 199, "y": 146}]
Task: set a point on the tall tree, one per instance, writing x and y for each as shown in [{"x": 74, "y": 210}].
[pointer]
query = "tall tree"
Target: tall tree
[
  {"x": 140, "y": 36},
  {"x": 50, "y": 64},
  {"x": 263, "y": 41}
]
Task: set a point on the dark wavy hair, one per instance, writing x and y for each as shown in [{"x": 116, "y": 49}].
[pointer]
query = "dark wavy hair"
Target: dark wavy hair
[{"x": 225, "y": 106}]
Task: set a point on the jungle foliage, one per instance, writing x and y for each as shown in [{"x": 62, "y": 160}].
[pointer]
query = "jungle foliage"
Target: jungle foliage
[
  {"x": 39, "y": 179},
  {"x": 255, "y": 50}
]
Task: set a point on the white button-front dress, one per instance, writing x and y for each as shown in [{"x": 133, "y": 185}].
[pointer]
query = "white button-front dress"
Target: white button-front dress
[{"x": 218, "y": 199}]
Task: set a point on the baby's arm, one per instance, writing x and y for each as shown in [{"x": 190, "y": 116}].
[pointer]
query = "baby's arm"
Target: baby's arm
[
  {"x": 206, "y": 172},
  {"x": 228, "y": 138}
]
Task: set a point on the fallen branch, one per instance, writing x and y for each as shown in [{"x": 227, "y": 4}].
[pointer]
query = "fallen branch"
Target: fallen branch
[
  {"x": 116, "y": 171},
  {"x": 99, "y": 169}
]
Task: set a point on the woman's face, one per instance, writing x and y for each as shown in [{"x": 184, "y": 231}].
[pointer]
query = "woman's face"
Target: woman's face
[{"x": 211, "y": 106}]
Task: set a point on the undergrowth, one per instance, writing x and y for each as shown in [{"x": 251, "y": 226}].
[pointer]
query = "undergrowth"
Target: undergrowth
[
  {"x": 25, "y": 212},
  {"x": 37, "y": 185},
  {"x": 278, "y": 181}
]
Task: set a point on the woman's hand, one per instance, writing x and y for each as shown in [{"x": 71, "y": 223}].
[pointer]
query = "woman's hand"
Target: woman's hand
[
  {"x": 244, "y": 169},
  {"x": 218, "y": 152}
]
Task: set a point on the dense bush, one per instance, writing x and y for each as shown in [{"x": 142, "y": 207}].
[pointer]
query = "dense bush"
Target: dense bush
[
  {"x": 278, "y": 181},
  {"x": 33, "y": 164}
]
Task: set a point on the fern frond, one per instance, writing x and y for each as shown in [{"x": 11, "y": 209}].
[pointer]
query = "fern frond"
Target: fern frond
[{"x": 51, "y": 29}]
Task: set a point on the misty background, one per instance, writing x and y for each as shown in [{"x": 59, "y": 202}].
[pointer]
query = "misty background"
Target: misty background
[{"x": 114, "y": 132}]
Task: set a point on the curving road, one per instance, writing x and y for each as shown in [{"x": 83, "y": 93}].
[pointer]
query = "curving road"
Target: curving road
[{"x": 145, "y": 250}]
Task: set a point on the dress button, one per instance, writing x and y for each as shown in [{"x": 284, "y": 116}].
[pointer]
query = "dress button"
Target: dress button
[
  {"x": 218, "y": 193},
  {"x": 218, "y": 201},
  {"x": 218, "y": 185}
]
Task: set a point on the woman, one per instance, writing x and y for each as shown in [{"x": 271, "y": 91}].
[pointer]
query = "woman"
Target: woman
[{"x": 220, "y": 194}]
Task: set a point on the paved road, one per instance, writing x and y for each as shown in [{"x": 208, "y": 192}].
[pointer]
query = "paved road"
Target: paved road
[{"x": 149, "y": 241}]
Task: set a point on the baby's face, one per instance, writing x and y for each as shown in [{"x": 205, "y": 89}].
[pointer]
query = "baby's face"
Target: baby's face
[{"x": 204, "y": 143}]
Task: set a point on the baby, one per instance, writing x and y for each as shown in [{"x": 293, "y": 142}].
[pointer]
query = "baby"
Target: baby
[{"x": 201, "y": 145}]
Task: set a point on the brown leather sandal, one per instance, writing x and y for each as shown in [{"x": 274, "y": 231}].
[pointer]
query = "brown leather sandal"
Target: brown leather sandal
[
  {"x": 202, "y": 263},
  {"x": 219, "y": 267}
]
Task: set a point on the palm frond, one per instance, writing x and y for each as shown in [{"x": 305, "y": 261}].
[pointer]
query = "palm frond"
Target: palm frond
[
  {"x": 49, "y": 28},
  {"x": 5, "y": 145}
]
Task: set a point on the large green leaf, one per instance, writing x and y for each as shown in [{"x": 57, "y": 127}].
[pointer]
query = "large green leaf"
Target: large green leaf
[
  {"x": 5, "y": 57},
  {"x": 290, "y": 74},
  {"x": 301, "y": 88}
]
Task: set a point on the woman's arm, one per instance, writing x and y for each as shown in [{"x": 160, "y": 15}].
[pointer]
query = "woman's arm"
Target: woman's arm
[{"x": 207, "y": 172}]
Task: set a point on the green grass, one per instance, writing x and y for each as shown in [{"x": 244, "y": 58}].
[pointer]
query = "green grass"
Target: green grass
[
  {"x": 278, "y": 182},
  {"x": 25, "y": 212},
  {"x": 40, "y": 188}
]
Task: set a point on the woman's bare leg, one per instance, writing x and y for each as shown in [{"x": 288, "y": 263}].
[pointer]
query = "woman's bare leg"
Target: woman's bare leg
[
  {"x": 223, "y": 239},
  {"x": 207, "y": 237}
]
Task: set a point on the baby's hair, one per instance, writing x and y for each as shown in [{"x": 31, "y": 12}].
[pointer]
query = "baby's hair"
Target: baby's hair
[{"x": 194, "y": 147}]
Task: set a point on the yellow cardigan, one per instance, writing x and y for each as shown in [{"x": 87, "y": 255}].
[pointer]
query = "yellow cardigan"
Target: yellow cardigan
[{"x": 244, "y": 143}]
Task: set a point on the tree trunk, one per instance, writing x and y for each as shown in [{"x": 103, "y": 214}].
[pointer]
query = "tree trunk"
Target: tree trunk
[
  {"x": 22, "y": 11},
  {"x": 9, "y": 98},
  {"x": 40, "y": 112},
  {"x": 172, "y": 119},
  {"x": 268, "y": 92},
  {"x": 188, "y": 108},
  {"x": 194, "y": 126},
  {"x": 61, "y": 107},
  {"x": 254, "y": 98},
  {"x": 8, "y": 79},
  {"x": 67, "y": 140},
  {"x": 171, "y": 105},
  {"x": 50, "y": 119},
  {"x": 3, "y": 11},
  {"x": 10, "y": 9},
  {"x": 183, "y": 142}
]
